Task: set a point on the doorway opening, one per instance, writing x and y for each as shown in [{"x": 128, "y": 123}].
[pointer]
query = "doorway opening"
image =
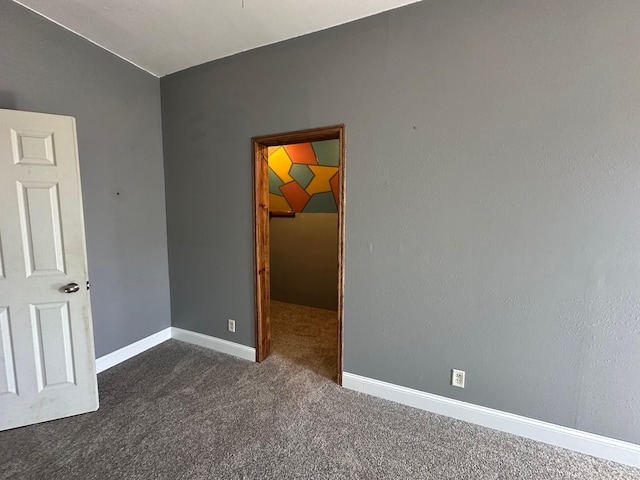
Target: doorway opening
[{"x": 299, "y": 198}]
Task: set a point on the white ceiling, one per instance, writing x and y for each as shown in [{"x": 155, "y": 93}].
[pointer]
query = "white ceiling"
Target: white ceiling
[{"x": 165, "y": 36}]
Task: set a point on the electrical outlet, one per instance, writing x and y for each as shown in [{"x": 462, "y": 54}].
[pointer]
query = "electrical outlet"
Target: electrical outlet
[
  {"x": 457, "y": 378},
  {"x": 231, "y": 325}
]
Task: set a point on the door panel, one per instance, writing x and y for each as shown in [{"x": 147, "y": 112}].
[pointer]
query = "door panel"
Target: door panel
[
  {"x": 7, "y": 370},
  {"x": 1, "y": 260},
  {"x": 34, "y": 148},
  {"x": 40, "y": 220},
  {"x": 51, "y": 333},
  {"x": 47, "y": 368}
]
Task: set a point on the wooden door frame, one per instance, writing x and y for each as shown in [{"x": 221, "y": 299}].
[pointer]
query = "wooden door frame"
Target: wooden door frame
[{"x": 261, "y": 228}]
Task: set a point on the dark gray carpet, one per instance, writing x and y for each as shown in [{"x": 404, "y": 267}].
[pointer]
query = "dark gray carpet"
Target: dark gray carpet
[
  {"x": 307, "y": 336},
  {"x": 183, "y": 412}
]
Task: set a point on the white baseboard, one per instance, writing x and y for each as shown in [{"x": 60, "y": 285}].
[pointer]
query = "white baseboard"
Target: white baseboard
[
  {"x": 214, "y": 343},
  {"x": 577, "y": 440},
  {"x": 125, "y": 353}
]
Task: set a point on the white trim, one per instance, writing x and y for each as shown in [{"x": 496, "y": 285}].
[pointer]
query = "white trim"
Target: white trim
[
  {"x": 584, "y": 442},
  {"x": 21, "y": 3},
  {"x": 125, "y": 353},
  {"x": 214, "y": 343}
]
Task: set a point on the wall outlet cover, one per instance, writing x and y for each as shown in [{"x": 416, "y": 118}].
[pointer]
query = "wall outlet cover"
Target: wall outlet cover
[{"x": 457, "y": 378}]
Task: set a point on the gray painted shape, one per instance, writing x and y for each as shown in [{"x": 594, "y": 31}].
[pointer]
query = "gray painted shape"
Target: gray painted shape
[
  {"x": 301, "y": 174},
  {"x": 321, "y": 203},
  {"x": 492, "y": 197},
  {"x": 327, "y": 152},
  {"x": 274, "y": 183},
  {"x": 304, "y": 259},
  {"x": 45, "y": 68}
]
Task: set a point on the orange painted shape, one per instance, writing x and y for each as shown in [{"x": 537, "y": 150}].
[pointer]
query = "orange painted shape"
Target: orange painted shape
[
  {"x": 335, "y": 186},
  {"x": 295, "y": 195},
  {"x": 301, "y": 153}
]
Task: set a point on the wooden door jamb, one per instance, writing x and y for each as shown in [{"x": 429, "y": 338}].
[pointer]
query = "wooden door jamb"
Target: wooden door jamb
[{"x": 261, "y": 229}]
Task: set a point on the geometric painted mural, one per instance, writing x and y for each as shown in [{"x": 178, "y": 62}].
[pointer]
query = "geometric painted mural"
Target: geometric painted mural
[{"x": 303, "y": 177}]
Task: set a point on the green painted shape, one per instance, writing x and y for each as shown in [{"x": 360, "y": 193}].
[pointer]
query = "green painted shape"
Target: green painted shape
[
  {"x": 274, "y": 183},
  {"x": 321, "y": 203},
  {"x": 327, "y": 152},
  {"x": 301, "y": 174}
]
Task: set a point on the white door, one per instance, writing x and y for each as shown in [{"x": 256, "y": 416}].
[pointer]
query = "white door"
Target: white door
[{"x": 47, "y": 361}]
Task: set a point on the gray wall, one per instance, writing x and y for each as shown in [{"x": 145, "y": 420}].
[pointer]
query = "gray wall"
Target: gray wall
[
  {"x": 304, "y": 259},
  {"x": 45, "y": 68},
  {"x": 493, "y": 197}
]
